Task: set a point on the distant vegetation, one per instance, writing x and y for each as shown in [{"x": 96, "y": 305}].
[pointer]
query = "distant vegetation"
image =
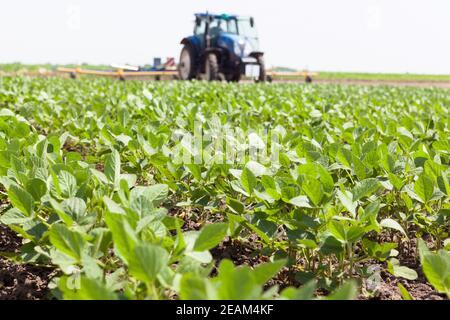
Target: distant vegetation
[
  {"x": 382, "y": 76},
  {"x": 16, "y": 67},
  {"x": 322, "y": 75},
  {"x": 283, "y": 69}
]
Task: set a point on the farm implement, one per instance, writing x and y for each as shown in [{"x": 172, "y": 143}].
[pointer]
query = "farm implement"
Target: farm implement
[
  {"x": 167, "y": 70},
  {"x": 223, "y": 47},
  {"x": 126, "y": 72}
]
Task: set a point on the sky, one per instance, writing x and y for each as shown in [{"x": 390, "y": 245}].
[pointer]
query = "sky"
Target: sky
[{"x": 321, "y": 35}]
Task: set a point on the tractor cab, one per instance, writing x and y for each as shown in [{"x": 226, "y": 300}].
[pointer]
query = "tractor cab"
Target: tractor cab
[{"x": 222, "y": 47}]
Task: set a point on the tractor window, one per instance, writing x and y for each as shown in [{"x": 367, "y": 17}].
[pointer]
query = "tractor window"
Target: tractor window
[
  {"x": 216, "y": 27},
  {"x": 200, "y": 29},
  {"x": 246, "y": 29},
  {"x": 222, "y": 25},
  {"x": 232, "y": 26}
]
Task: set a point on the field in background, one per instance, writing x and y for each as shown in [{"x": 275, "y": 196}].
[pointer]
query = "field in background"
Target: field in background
[
  {"x": 382, "y": 76},
  {"x": 323, "y": 76},
  {"x": 327, "y": 76}
]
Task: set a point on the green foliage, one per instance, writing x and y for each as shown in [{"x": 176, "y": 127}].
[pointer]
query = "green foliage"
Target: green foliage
[
  {"x": 21, "y": 199},
  {"x": 394, "y": 267},
  {"x": 210, "y": 236},
  {"x": 436, "y": 267},
  {"x": 92, "y": 181},
  {"x": 405, "y": 294}
]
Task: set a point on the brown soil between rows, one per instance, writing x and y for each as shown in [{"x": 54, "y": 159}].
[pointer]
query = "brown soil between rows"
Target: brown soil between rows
[
  {"x": 387, "y": 288},
  {"x": 20, "y": 282}
]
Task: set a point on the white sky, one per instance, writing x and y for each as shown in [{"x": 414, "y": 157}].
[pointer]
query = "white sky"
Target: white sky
[{"x": 333, "y": 35}]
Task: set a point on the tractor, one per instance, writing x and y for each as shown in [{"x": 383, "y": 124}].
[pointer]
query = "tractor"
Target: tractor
[{"x": 223, "y": 47}]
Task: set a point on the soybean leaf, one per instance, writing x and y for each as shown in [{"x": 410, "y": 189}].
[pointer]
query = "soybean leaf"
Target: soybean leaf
[
  {"x": 348, "y": 291},
  {"x": 405, "y": 294},
  {"x": 147, "y": 261},
  {"x": 394, "y": 267},
  {"x": 67, "y": 183},
  {"x": 376, "y": 250},
  {"x": 21, "y": 199},
  {"x": 14, "y": 216},
  {"x": 300, "y": 201},
  {"x": 365, "y": 188},
  {"x": 313, "y": 190},
  {"x": 124, "y": 237},
  {"x": 193, "y": 287},
  {"x": 210, "y": 236},
  {"x": 346, "y": 199},
  {"x": 392, "y": 224},
  {"x": 157, "y": 193},
  {"x": 37, "y": 188},
  {"x": 67, "y": 241},
  {"x": 305, "y": 292},
  {"x": 264, "y": 272},
  {"x": 338, "y": 230},
  {"x": 88, "y": 289},
  {"x": 112, "y": 206},
  {"x": 112, "y": 167},
  {"x": 436, "y": 267},
  {"x": 424, "y": 188},
  {"x": 248, "y": 180},
  {"x": 74, "y": 207}
]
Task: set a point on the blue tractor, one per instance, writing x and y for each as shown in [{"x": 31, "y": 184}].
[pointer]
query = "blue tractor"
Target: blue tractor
[{"x": 223, "y": 47}]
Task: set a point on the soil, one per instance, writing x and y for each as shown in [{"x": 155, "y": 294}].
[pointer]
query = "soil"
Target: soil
[
  {"x": 419, "y": 289},
  {"x": 70, "y": 146},
  {"x": 387, "y": 289},
  {"x": 20, "y": 282},
  {"x": 193, "y": 218},
  {"x": 239, "y": 253},
  {"x": 100, "y": 167}
]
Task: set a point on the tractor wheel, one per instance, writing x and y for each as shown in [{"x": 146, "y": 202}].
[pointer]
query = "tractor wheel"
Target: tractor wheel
[
  {"x": 211, "y": 67},
  {"x": 221, "y": 77},
  {"x": 235, "y": 77},
  {"x": 262, "y": 71},
  {"x": 187, "y": 68}
]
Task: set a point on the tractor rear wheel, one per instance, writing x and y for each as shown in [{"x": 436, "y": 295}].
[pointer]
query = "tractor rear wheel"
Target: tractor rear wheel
[
  {"x": 235, "y": 77},
  {"x": 187, "y": 68},
  {"x": 262, "y": 69},
  {"x": 211, "y": 67}
]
